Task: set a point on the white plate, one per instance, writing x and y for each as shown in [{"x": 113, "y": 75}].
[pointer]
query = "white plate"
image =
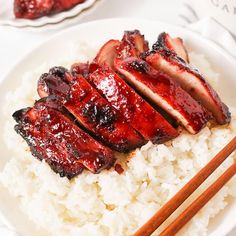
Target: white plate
[
  {"x": 96, "y": 33},
  {"x": 7, "y": 16}
]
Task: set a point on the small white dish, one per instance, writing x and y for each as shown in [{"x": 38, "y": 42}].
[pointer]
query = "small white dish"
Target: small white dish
[
  {"x": 95, "y": 34},
  {"x": 7, "y": 15}
]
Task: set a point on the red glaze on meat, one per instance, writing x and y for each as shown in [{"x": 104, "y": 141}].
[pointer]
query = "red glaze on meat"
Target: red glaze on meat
[
  {"x": 91, "y": 110},
  {"x": 190, "y": 80},
  {"x": 99, "y": 117},
  {"x": 53, "y": 137},
  {"x": 134, "y": 108},
  {"x": 32, "y": 9},
  {"x": 54, "y": 83},
  {"x": 164, "y": 92},
  {"x": 133, "y": 44},
  {"x": 107, "y": 53},
  {"x": 80, "y": 69},
  {"x": 173, "y": 44}
]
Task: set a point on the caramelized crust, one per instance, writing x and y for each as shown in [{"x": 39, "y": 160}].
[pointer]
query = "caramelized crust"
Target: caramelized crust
[
  {"x": 190, "y": 80},
  {"x": 133, "y": 44},
  {"x": 164, "y": 92},
  {"x": 107, "y": 53},
  {"x": 173, "y": 44},
  {"x": 100, "y": 118},
  {"x": 53, "y": 137},
  {"x": 91, "y": 110},
  {"x": 147, "y": 121}
]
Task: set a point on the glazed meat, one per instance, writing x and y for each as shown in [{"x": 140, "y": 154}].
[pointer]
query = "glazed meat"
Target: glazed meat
[
  {"x": 164, "y": 92},
  {"x": 32, "y": 9},
  {"x": 133, "y": 44},
  {"x": 80, "y": 69},
  {"x": 147, "y": 121},
  {"x": 56, "y": 82},
  {"x": 190, "y": 80},
  {"x": 126, "y": 96},
  {"x": 173, "y": 44},
  {"x": 52, "y": 136},
  {"x": 98, "y": 116},
  {"x": 91, "y": 110},
  {"x": 107, "y": 53}
]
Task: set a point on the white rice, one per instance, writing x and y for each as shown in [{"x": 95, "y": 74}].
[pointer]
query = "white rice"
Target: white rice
[{"x": 109, "y": 203}]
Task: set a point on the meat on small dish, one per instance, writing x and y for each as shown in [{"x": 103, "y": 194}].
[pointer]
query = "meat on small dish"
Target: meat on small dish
[
  {"x": 80, "y": 69},
  {"x": 32, "y": 9}
]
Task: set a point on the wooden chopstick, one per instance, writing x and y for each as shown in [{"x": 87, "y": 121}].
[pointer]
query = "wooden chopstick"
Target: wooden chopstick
[
  {"x": 156, "y": 220},
  {"x": 199, "y": 203}
]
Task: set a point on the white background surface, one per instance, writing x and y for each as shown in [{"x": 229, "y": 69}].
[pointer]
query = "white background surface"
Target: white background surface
[{"x": 15, "y": 42}]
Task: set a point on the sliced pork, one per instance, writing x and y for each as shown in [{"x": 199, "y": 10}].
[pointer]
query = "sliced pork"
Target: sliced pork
[
  {"x": 98, "y": 116},
  {"x": 93, "y": 112},
  {"x": 53, "y": 137},
  {"x": 190, "y": 80},
  {"x": 164, "y": 92},
  {"x": 133, "y": 44},
  {"x": 107, "y": 53},
  {"x": 148, "y": 122},
  {"x": 173, "y": 44}
]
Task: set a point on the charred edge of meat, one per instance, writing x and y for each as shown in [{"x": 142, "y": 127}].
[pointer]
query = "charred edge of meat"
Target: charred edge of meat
[
  {"x": 56, "y": 167},
  {"x": 54, "y": 83},
  {"x": 151, "y": 83},
  {"x": 80, "y": 69},
  {"x": 166, "y": 52},
  {"x": 50, "y": 135},
  {"x": 173, "y": 44},
  {"x": 105, "y": 116},
  {"x": 58, "y": 71},
  {"x": 173, "y": 59},
  {"x": 133, "y": 44},
  {"x": 107, "y": 53},
  {"x": 51, "y": 101},
  {"x": 132, "y": 35},
  {"x": 18, "y": 115},
  {"x": 100, "y": 119},
  {"x": 139, "y": 66}
]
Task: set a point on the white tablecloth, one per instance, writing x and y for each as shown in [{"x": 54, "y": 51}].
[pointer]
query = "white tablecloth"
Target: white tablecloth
[{"x": 15, "y": 42}]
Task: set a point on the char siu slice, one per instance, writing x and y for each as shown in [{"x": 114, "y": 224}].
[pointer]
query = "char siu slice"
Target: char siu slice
[
  {"x": 80, "y": 69},
  {"x": 133, "y": 44},
  {"x": 164, "y": 92},
  {"x": 190, "y": 80},
  {"x": 134, "y": 108},
  {"x": 107, "y": 53},
  {"x": 55, "y": 82},
  {"x": 98, "y": 116},
  {"x": 92, "y": 111},
  {"x": 32, "y": 9},
  {"x": 173, "y": 44},
  {"x": 53, "y": 137},
  {"x": 44, "y": 146}
]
